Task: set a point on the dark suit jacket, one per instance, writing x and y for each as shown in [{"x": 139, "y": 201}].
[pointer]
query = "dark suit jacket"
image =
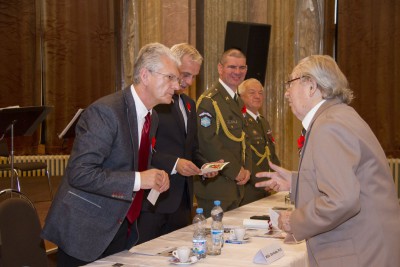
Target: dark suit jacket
[
  {"x": 97, "y": 189},
  {"x": 346, "y": 204},
  {"x": 172, "y": 142}
]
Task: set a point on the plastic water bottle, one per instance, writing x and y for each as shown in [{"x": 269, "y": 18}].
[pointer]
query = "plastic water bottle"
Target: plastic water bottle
[
  {"x": 217, "y": 229},
  {"x": 199, "y": 235}
]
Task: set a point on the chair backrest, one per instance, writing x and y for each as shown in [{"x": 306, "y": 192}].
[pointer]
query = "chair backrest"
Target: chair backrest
[{"x": 20, "y": 241}]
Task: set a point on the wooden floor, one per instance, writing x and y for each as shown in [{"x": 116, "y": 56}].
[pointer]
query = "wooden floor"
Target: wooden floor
[{"x": 37, "y": 190}]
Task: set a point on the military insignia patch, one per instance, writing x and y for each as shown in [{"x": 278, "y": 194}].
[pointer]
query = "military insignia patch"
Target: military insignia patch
[{"x": 205, "y": 119}]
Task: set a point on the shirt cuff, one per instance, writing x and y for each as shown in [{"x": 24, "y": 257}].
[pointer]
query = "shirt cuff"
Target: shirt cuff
[{"x": 136, "y": 187}]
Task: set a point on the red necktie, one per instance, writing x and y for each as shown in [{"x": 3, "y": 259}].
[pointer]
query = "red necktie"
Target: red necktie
[{"x": 144, "y": 151}]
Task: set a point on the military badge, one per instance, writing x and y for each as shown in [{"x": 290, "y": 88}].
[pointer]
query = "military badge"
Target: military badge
[{"x": 205, "y": 119}]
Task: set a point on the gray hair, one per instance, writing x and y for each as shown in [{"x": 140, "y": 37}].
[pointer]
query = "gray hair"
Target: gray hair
[
  {"x": 150, "y": 57},
  {"x": 243, "y": 86},
  {"x": 330, "y": 80},
  {"x": 182, "y": 49}
]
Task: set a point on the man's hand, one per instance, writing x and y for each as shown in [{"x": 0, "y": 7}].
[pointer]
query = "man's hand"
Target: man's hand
[
  {"x": 284, "y": 221},
  {"x": 280, "y": 179},
  {"x": 154, "y": 179},
  {"x": 186, "y": 168},
  {"x": 243, "y": 176}
]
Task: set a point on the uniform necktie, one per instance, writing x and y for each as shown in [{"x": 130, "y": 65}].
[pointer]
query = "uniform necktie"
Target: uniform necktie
[
  {"x": 236, "y": 98},
  {"x": 144, "y": 151}
]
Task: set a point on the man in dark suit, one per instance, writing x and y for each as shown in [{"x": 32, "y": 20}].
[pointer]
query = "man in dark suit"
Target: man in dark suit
[
  {"x": 259, "y": 133},
  {"x": 88, "y": 217},
  {"x": 177, "y": 153},
  {"x": 221, "y": 136}
]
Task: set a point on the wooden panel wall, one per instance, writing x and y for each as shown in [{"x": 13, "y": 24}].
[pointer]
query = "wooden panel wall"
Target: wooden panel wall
[
  {"x": 368, "y": 54},
  {"x": 60, "y": 53}
]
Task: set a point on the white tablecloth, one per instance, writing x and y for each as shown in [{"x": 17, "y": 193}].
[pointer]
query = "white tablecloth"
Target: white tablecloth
[{"x": 232, "y": 254}]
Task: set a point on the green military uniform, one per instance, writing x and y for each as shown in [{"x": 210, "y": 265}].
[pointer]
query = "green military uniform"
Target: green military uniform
[
  {"x": 221, "y": 136},
  {"x": 263, "y": 149}
]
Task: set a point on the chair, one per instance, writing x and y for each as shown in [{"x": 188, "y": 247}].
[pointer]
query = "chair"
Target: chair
[
  {"x": 20, "y": 241},
  {"x": 22, "y": 166}
]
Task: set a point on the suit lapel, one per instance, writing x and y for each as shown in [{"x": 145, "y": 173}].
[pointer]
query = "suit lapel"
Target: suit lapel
[
  {"x": 132, "y": 122},
  {"x": 263, "y": 126},
  {"x": 322, "y": 109},
  {"x": 188, "y": 109},
  {"x": 178, "y": 113},
  {"x": 230, "y": 102}
]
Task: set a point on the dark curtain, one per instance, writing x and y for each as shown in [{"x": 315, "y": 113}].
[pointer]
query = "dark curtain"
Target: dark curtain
[
  {"x": 368, "y": 53},
  {"x": 19, "y": 53},
  {"x": 59, "y": 53}
]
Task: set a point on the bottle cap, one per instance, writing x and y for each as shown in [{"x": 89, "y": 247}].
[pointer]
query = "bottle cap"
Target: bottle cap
[
  {"x": 199, "y": 210},
  {"x": 217, "y": 202}
]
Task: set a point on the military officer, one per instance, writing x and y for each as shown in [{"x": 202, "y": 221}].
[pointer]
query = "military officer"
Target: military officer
[
  {"x": 258, "y": 131},
  {"x": 220, "y": 124}
]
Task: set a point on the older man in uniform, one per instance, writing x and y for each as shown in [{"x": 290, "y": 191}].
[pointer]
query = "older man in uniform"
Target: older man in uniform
[
  {"x": 221, "y": 121},
  {"x": 258, "y": 131}
]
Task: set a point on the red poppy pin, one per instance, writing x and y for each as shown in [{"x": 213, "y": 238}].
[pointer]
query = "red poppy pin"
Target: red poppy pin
[
  {"x": 188, "y": 106},
  {"x": 300, "y": 142},
  {"x": 272, "y": 138},
  {"x": 153, "y": 143},
  {"x": 244, "y": 110}
]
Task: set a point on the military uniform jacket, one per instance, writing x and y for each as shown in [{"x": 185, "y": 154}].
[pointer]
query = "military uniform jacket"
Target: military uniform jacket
[
  {"x": 260, "y": 138},
  {"x": 215, "y": 144},
  {"x": 259, "y": 135}
]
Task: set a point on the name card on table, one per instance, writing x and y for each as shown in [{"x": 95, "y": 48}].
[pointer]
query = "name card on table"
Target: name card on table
[{"x": 269, "y": 254}]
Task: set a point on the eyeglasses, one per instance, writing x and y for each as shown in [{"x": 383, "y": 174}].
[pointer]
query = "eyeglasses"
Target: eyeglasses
[
  {"x": 171, "y": 77},
  {"x": 288, "y": 84},
  {"x": 233, "y": 67},
  {"x": 187, "y": 75}
]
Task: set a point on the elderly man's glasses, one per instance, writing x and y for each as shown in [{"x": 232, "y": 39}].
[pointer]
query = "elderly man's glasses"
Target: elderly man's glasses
[
  {"x": 288, "y": 84},
  {"x": 171, "y": 77}
]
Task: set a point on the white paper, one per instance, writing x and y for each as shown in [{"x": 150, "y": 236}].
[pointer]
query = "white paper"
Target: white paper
[
  {"x": 273, "y": 215},
  {"x": 255, "y": 224},
  {"x": 269, "y": 254},
  {"x": 151, "y": 251},
  {"x": 153, "y": 196},
  {"x": 212, "y": 167},
  {"x": 76, "y": 116}
]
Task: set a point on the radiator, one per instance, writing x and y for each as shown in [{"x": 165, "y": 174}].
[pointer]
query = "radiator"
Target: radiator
[
  {"x": 56, "y": 164},
  {"x": 395, "y": 168}
]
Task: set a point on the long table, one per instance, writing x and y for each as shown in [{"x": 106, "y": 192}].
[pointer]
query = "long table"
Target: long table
[{"x": 232, "y": 254}]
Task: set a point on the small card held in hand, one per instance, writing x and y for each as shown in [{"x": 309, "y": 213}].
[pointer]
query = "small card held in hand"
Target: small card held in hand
[{"x": 212, "y": 167}]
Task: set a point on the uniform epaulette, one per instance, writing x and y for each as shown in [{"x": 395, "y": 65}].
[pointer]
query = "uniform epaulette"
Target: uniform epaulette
[
  {"x": 207, "y": 94},
  {"x": 211, "y": 92}
]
